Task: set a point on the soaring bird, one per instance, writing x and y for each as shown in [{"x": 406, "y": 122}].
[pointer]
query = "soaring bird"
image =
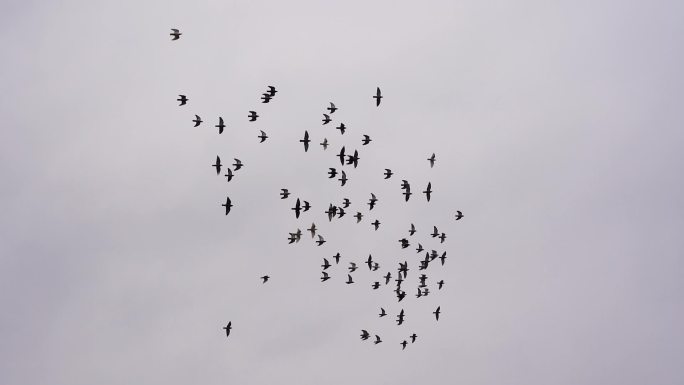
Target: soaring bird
[
  {"x": 284, "y": 193},
  {"x": 238, "y": 164},
  {"x": 364, "y": 335},
  {"x": 325, "y": 276},
  {"x": 326, "y": 119},
  {"x": 229, "y": 174},
  {"x": 432, "y": 160},
  {"x": 459, "y": 215},
  {"x": 320, "y": 240},
  {"x": 312, "y": 230},
  {"x": 377, "y": 97},
  {"x": 227, "y": 328},
  {"x": 175, "y": 34},
  {"x": 342, "y": 128},
  {"x": 227, "y": 205},
  {"x": 324, "y": 143},
  {"x": 262, "y": 137},
  {"x": 220, "y": 125},
  {"x": 217, "y": 165},
  {"x": 436, "y": 313},
  {"x": 366, "y": 139},
  {"x": 305, "y": 141},
  {"x": 197, "y": 120},
  {"x": 428, "y": 191},
  {"x": 332, "y": 108},
  {"x": 265, "y": 278},
  {"x": 388, "y": 173},
  {"x": 252, "y": 116},
  {"x": 182, "y": 99}
]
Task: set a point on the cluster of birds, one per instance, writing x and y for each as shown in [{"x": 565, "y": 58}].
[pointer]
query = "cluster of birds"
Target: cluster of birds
[{"x": 336, "y": 212}]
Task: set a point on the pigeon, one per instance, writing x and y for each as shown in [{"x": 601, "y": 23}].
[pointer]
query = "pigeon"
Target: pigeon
[
  {"x": 436, "y": 313},
  {"x": 440, "y": 284},
  {"x": 252, "y": 116},
  {"x": 377, "y": 339},
  {"x": 343, "y": 178},
  {"x": 182, "y": 99},
  {"x": 377, "y": 97},
  {"x": 376, "y": 224},
  {"x": 265, "y": 278},
  {"x": 271, "y": 91},
  {"x": 349, "y": 279},
  {"x": 220, "y": 125},
  {"x": 364, "y": 335},
  {"x": 175, "y": 34},
  {"x": 312, "y": 230},
  {"x": 432, "y": 160},
  {"x": 326, "y": 119},
  {"x": 372, "y": 201},
  {"x": 227, "y": 328},
  {"x": 324, "y": 143},
  {"x": 284, "y": 193},
  {"x": 332, "y": 108},
  {"x": 305, "y": 141},
  {"x": 412, "y": 230},
  {"x": 459, "y": 215},
  {"x": 217, "y": 165},
  {"x": 342, "y": 128},
  {"x": 229, "y": 174},
  {"x": 366, "y": 139},
  {"x": 238, "y": 164},
  {"x": 262, "y": 137},
  {"x": 197, "y": 120},
  {"x": 227, "y": 205},
  {"x": 403, "y": 344},
  {"x": 428, "y": 191},
  {"x": 358, "y": 216},
  {"x": 325, "y": 264},
  {"x": 337, "y": 258},
  {"x": 325, "y": 276},
  {"x": 388, "y": 173},
  {"x": 320, "y": 240}
]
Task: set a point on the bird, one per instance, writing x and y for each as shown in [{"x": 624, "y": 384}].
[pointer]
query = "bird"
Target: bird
[
  {"x": 366, "y": 139},
  {"x": 182, "y": 99},
  {"x": 229, "y": 174},
  {"x": 353, "y": 159},
  {"x": 364, "y": 335},
  {"x": 337, "y": 258},
  {"x": 227, "y": 328},
  {"x": 262, "y": 137},
  {"x": 387, "y": 277},
  {"x": 324, "y": 143},
  {"x": 413, "y": 337},
  {"x": 436, "y": 313},
  {"x": 419, "y": 248},
  {"x": 340, "y": 212},
  {"x": 343, "y": 178},
  {"x": 442, "y": 237},
  {"x": 403, "y": 344},
  {"x": 376, "y": 266},
  {"x": 369, "y": 261},
  {"x": 326, "y": 119},
  {"x": 459, "y": 215},
  {"x": 228, "y": 205},
  {"x": 401, "y": 295},
  {"x": 342, "y": 128},
  {"x": 400, "y": 317},
  {"x": 435, "y": 232},
  {"x": 407, "y": 195},
  {"x": 306, "y": 206},
  {"x": 176, "y": 35},
  {"x": 220, "y": 125},
  {"x": 376, "y": 224},
  {"x": 265, "y": 278},
  {"x": 412, "y": 230},
  {"x": 217, "y": 165},
  {"x": 352, "y": 267},
  {"x": 349, "y": 279},
  {"x": 440, "y": 284},
  {"x": 358, "y": 216},
  {"x": 341, "y": 155},
  {"x": 298, "y": 208},
  {"x": 332, "y": 108},
  {"x": 238, "y": 164},
  {"x": 375, "y": 285},
  {"x": 388, "y": 173},
  {"x": 332, "y": 211},
  {"x": 377, "y": 97},
  {"x": 284, "y": 193},
  {"x": 325, "y": 276},
  {"x": 197, "y": 120},
  {"x": 312, "y": 230},
  {"x": 428, "y": 191},
  {"x": 404, "y": 243},
  {"x": 320, "y": 240},
  {"x": 325, "y": 264},
  {"x": 298, "y": 235},
  {"x": 332, "y": 172},
  {"x": 372, "y": 201},
  {"x": 252, "y": 116},
  {"x": 377, "y": 339},
  {"x": 305, "y": 141},
  {"x": 442, "y": 258},
  {"x": 346, "y": 202},
  {"x": 271, "y": 90},
  {"x": 265, "y": 98},
  {"x": 432, "y": 160}
]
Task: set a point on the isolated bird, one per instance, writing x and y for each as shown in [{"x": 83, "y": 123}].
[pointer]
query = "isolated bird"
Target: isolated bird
[
  {"x": 176, "y": 35},
  {"x": 262, "y": 137},
  {"x": 182, "y": 99},
  {"x": 284, "y": 193},
  {"x": 312, "y": 230},
  {"x": 332, "y": 172},
  {"x": 220, "y": 125},
  {"x": 388, "y": 173},
  {"x": 238, "y": 164},
  {"x": 252, "y": 116},
  {"x": 459, "y": 215},
  {"x": 265, "y": 278},
  {"x": 229, "y": 174},
  {"x": 377, "y": 97},
  {"x": 366, "y": 139},
  {"x": 217, "y": 165},
  {"x": 376, "y": 224},
  {"x": 342, "y": 128},
  {"x": 436, "y": 313},
  {"x": 320, "y": 240},
  {"x": 432, "y": 160},
  {"x": 197, "y": 120},
  {"x": 227, "y": 205},
  {"x": 227, "y": 328},
  {"x": 305, "y": 141},
  {"x": 324, "y": 143},
  {"x": 325, "y": 276},
  {"x": 375, "y": 285},
  {"x": 372, "y": 202},
  {"x": 326, "y": 119}
]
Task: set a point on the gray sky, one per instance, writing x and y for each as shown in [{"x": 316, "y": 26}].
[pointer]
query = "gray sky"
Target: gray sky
[{"x": 558, "y": 132}]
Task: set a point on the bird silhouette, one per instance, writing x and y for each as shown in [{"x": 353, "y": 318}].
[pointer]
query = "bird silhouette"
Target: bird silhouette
[
  {"x": 265, "y": 278},
  {"x": 220, "y": 125},
  {"x": 228, "y": 328},
  {"x": 358, "y": 216},
  {"x": 238, "y": 164},
  {"x": 412, "y": 230},
  {"x": 265, "y": 98},
  {"x": 324, "y": 143},
  {"x": 442, "y": 238},
  {"x": 388, "y": 173},
  {"x": 325, "y": 264},
  {"x": 325, "y": 276},
  {"x": 372, "y": 202},
  {"x": 432, "y": 160},
  {"x": 262, "y": 137},
  {"x": 337, "y": 258},
  {"x": 364, "y": 335},
  {"x": 352, "y": 267},
  {"x": 312, "y": 230},
  {"x": 341, "y": 155},
  {"x": 175, "y": 34},
  {"x": 284, "y": 193},
  {"x": 182, "y": 99},
  {"x": 413, "y": 337},
  {"x": 377, "y": 339},
  {"x": 217, "y": 165},
  {"x": 349, "y": 279},
  {"x": 376, "y": 224},
  {"x": 377, "y": 97},
  {"x": 271, "y": 90},
  {"x": 229, "y": 174},
  {"x": 382, "y": 313},
  {"x": 440, "y": 284},
  {"x": 305, "y": 141},
  {"x": 343, "y": 178},
  {"x": 436, "y": 313},
  {"x": 342, "y": 128},
  {"x": 326, "y": 119},
  {"x": 366, "y": 139},
  {"x": 252, "y": 116},
  {"x": 428, "y": 191},
  {"x": 403, "y": 344},
  {"x": 197, "y": 120},
  {"x": 459, "y": 215},
  {"x": 346, "y": 202},
  {"x": 320, "y": 240},
  {"x": 228, "y": 205},
  {"x": 332, "y": 108}
]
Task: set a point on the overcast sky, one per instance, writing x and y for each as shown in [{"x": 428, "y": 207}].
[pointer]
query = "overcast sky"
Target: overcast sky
[{"x": 557, "y": 128}]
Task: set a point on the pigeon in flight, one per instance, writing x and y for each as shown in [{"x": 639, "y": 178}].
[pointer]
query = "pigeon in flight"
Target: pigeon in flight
[
  {"x": 442, "y": 237},
  {"x": 292, "y": 238},
  {"x": 175, "y": 34},
  {"x": 217, "y": 165},
  {"x": 388, "y": 173},
  {"x": 375, "y": 285},
  {"x": 229, "y": 174},
  {"x": 324, "y": 143},
  {"x": 265, "y": 278},
  {"x": 332, "y": 108},
  {"x": 412, "y": 230},
  {"x": 436, "y": 313},
  {"x": 376, "y": 224},
  {"x": 459, "y": 215},
  {"x": 265, "y": 98},
  {"x": 252, "y": 116},
  {"x": 332, "y": 211},
  {"x": 432, "y": 160},
  {"x": 312, "y": 230},
  {"x": 372, "y": 201},
  {"x": 342, "y": 128},
  {"x": 197, "y": 120},
  {"x": 387, "y": 277},
  {"x": 352, "y": 267},
  {"x": 435, "y": 232},
  {"x": 238, "y": 164},
  {"x": 413, "y": 337},
  {"x": 320, "y": 240},
  {"x": 182, "y": 99},
  {"x": 227, "y": 205},
  {"x": 325, "y": 264},
  {"x": 369, "y": 261},
  {"x": 346, "y": 202},
  {"x": 341, "y": 156},
  {"x": 377, "y": 339},
  {"x": 404, "y": 243},
  {"x": 332, "y": 172},
  {"x": 440, "y": 284},
  {"x": 428, "y": 191},
  {"x": 400, "y": 317},
  {"x": 336, "y": 257},
  {"x": 326, "y": 119},
  {"x": 305, "y": 141},
  {"x": 325, "y": 276},
  {"x": 377, "y": 97},
  {"x": 227, "y": 328},
  {"x": 366, "y": 139},
  {"x": 343, "y": 178},
  {"x": 271, "y": 90},
  {"x": 284, "y": 193},
  {"x": 349, "y": 279},
  {"x": 364, "y": 335},
  {"x": 419, "y": 248},
  {"x": 353, "y": 159},
  {"x": 403, "y": 344},
  {"x": 340, "y": 212},
  {"x": 358, "y": 216},
  {"x": 262, "y": 137},
  {"x": 220, "y": 125},
  {"x": 298, "y": 208}
]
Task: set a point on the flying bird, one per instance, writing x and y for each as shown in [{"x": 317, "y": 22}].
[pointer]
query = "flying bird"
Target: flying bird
[
  {"x": 305, "y": 141},
  {"x": 369, "y": 261},
  {"x": 217, "y": 165},
  {"x": 182, "y": 99},
  {"x": 312, "y": 230},
  {"x": 428, "y": 191},
  {"x": 440, "y": 284},
  {"x": 459, "y": 215},
  {"x": 336, "y": 257},
  {"x": 375, "y": 285},
  {"x": 265, "y": 98},
  {"x": 436, "y": 313},
  {"x": 388, "y": 173},
  {"x": 377, "y": 339},
  {"x": 332, "y": 108},
  {"x": 324, "y": 143},
  {"x": 325, "y": 276},
  {"x": 403, "y": 344},
  {"x": 342, "y": 128},
  {"x": 353, "y": 159},
  {"x": 227, "y": 205},
  {"x": 349, "y": 279},
  {"x": 252, "y": 116},
  {"x": 271, "y": 90},
  {"x": 376, "y": 224},
  {"x": 419, "y": 248},
  {"x": 346, "y": 202},
  {"x": 227, "y": 328},
  {"x": 442, "y": 237},
  {"x": 284, "y": 193},
  {"x": 343, "y": 178},
  {"x": 298, "y": 208},
  {"x": 332, "y": 172},
  {"x": 320, "y": 240},
  {"x": 364, "y": 335},
  {"x": 358, "y": 216},
  {"x": 400, "y": 317},
  {"x": 325, "y": 264},
  {"x": 412, "y": 230},
  {"x": 265, "y": 278},
  {"x": 326, "y": 119},
  {"x": 262, "y": 137},
  {"x": 413, "y": 337},
  {"x": 372, "y": 202},
  {"x": 197, "y": 120},
  {"x": 220, "y": 125},
  {"x": 435, "y": 232},
  {"x": 366, "y": 139},
  {"x": 377, "y": 97},
  {"x": 341, "y": 155},
  {"x": 340, "y": 212},
  {"x": 229, "y": 174},
  {"x": 432, "y": 160},
  {"x": 238, "y": 164},
  {"x": 352, "y": 267},
  {"x": 332, "y": 211},
  {"x": 387, "y": 277},
  {"x": 175, "y": 34}
]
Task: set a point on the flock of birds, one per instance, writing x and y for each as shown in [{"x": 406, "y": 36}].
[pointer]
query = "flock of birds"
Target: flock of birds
[{"x": 336, "y": 212}]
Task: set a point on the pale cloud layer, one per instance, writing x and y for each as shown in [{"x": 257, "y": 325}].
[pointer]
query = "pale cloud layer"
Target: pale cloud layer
[{"x": 558, "y": 131}]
